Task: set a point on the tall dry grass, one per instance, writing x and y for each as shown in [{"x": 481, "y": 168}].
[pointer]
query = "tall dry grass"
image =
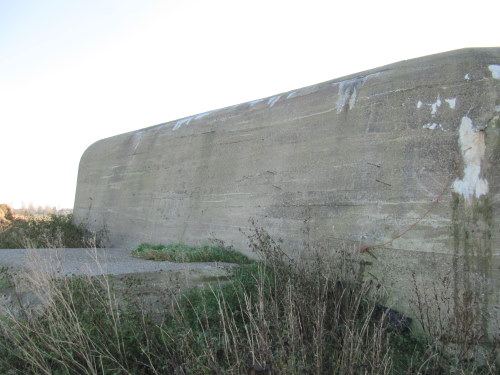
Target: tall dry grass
[{"x": 276, "y": 316}]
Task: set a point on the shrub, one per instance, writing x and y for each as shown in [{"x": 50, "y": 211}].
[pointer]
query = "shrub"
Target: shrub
[
  {"x": 52, "y": 231},
  {"x": 6, "y": 213}
]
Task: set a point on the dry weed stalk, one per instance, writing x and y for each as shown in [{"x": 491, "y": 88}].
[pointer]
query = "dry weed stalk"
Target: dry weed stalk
[
  {"x": 49, "y": 330},
  {"x": 276, "y": 316},
  {"x": 453, "y": 323}
]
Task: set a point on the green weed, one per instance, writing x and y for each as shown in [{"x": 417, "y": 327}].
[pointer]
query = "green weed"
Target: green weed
[{"x": 187, "y": 254}]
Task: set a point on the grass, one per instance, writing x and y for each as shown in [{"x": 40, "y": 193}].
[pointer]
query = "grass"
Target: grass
[
  {"x": 275, "y": 316},
  {"x": 186, "y": 254},
  {"x": 80, "y": 331}
]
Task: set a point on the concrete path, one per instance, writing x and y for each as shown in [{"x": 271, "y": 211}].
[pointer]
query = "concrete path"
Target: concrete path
[
  {"x": 151, "y": 285},
  {"x": 92, "y": 262}
]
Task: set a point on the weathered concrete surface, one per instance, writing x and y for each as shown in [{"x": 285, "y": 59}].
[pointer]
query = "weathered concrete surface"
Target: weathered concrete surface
[
  {"x": 92, "y": 262},
  {"x": 353, "y": 162}
]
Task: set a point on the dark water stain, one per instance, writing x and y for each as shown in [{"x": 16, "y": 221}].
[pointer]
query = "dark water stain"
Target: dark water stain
[{"x": 472, "y": 225}]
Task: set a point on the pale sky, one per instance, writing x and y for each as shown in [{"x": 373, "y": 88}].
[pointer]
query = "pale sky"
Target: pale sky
[{"x": 76, "y": 71}]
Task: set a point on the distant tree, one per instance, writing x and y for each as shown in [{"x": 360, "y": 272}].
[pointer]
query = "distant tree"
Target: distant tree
[{"x": 6, "y": 213}]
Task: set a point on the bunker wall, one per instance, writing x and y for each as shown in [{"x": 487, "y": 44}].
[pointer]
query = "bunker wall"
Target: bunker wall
[{"x": 405, "y": 156}]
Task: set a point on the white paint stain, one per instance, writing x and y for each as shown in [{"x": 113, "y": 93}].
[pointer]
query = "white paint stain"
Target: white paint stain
[
  {"x": 348, "y": 91},
  {"x": 181, "y": 122},
  {"x": 187, "y": 120},
  {"x": 137, "y": 139},
  {"x": 451, "y": 102},
  {"x": 201, "y": 115},
  {"x": 352, "y": 100},
  {"x": 272, "y": 101},
  {"x": 433, "y": 125},
  {"x": 467, "y": 77},
  {"x": 473, "y": 147},
  {"x": 435, "y": 106},
  {"x": 495, "y": 71},
  {"x": 253, "y": 102}
]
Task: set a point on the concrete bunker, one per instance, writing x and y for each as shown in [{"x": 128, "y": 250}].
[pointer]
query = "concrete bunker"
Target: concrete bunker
[{"x": 352, "y": 162}]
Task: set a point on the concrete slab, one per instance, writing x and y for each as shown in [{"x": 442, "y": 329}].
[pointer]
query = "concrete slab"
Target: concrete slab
[
  {"x": 153, "y": 286},
  {"x": 92, "y": 262}
]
